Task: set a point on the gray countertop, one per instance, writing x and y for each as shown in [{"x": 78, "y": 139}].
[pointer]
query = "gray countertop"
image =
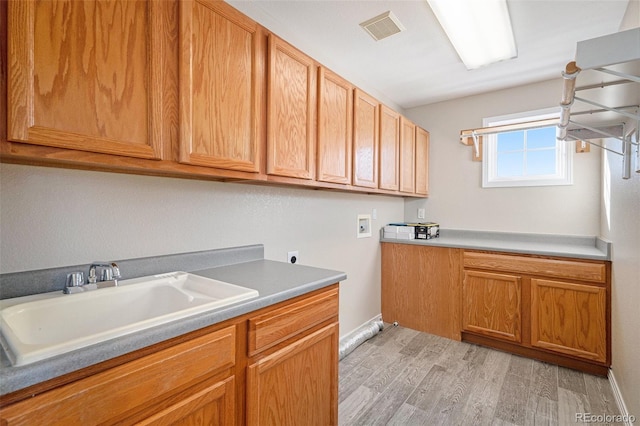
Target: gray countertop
[
  {"x": 581, "y": 247},
  {"x": 275, "y": 282}
]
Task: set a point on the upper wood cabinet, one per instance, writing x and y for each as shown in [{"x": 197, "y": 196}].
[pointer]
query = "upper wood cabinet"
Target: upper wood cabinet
[
  {"x": 366, "y": 129},
  {"x": 389, "y": 149},
  {"x": 291, "y": 111},
  {"x": 407, "y": 156},
  {"x": 222, "y": 81},
  {"x": 335, "y": 127},
  {"x": 422, "y": 161},
  {"x": 87, "y": 75},
  {"x": 190, "y": 88}
]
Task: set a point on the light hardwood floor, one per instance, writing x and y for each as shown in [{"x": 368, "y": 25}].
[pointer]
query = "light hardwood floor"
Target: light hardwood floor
[{"x": 405, "y": 377}]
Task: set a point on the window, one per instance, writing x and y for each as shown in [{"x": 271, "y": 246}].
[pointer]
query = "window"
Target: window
[{"x": 527, "y": 156}]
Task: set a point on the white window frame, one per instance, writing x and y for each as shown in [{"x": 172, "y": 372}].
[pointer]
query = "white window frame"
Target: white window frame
[{"x": 564, "y": 155}]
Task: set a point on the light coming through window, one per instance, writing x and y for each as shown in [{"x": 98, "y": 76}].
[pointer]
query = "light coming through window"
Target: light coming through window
[{"x": 528, "y": 157}]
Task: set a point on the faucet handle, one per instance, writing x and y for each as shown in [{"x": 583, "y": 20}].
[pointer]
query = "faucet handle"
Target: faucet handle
[
  {"x": 75, "y": 279},
  {"x": 115, "y": 270},
  {"x": 92, "y": 278},
  {"x": 107, "y": 274},
  {"x": 75, "y": 282}
]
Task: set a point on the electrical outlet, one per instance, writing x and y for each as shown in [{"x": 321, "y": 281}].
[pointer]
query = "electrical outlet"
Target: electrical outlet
[
  {"x": 292, "y": 256},
  {"x": 421, "y": 213}
]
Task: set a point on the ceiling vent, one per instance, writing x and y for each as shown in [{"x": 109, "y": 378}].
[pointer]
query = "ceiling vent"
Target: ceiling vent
[{"x": 383, "y": 26}]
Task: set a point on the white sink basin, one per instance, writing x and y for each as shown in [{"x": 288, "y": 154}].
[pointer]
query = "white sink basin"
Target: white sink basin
[{"x": 33, "y": 330}]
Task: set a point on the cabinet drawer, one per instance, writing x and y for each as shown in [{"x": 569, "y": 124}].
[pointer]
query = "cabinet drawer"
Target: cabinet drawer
[
  {"x": 128, "y": 387},
  {"x": 572, "y": 269},
  {"x": 269, "y": 329}
]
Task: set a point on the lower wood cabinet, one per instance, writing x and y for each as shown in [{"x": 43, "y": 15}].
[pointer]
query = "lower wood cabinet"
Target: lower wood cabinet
[
  {"x": 294, "y": 382},
  {"x": 149, "y": 387},
  {"x": 207, "y": 377},
  {"x": 556, "y": 310},
  {"x": 297, "y": 385}
]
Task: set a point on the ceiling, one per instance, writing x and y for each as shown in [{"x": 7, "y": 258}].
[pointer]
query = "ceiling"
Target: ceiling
[{"x": 419, "y": 66}]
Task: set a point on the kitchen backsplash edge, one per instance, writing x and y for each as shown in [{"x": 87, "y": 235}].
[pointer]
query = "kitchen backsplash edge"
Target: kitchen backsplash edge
[{"x": 17, "y": 284}]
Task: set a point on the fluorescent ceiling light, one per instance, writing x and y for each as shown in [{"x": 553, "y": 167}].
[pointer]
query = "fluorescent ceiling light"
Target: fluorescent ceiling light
[{"x": 480, "y": 31}]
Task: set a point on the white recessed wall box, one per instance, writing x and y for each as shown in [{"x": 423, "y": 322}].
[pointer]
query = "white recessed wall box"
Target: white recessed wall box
[{"x": 364, "y": 225}]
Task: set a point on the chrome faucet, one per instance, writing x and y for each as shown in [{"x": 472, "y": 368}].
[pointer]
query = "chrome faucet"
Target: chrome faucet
[
  {"x": 110, "y": 273},
  {"x": 109, "y": 276}
]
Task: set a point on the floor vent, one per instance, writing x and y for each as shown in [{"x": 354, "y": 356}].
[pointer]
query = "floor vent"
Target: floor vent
[{"x": 383, "y": 26}]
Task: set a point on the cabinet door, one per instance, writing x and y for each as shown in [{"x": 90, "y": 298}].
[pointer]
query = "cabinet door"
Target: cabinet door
[
  {"x": 407, "y": 156},
  {"x": 221, "y": 85},
  {"x": 422, "y": 161},
  {"x": 389, "y": 149},
  {"x": 87, "y": 75},
  {"x": 291, "y": 109},
  {"x": 214, "y": 405},
  {"x": 569, "y": 318},
  {"x": 298, "y": 384},
  {"x": 365, "y": 140},
  {"x": 492, "y": 305},
  {"x": 335, "y": 116}
]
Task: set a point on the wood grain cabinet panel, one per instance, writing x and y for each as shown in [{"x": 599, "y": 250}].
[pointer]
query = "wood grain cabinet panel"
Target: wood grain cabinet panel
[
  {"x": 124, "y": 390},
  {"x": 335, "y": 127},
  {"x": 422, "y": 161},
  {"x": 389, "y": 149},
  {"x": 276, "y": 326},
  {"x": 291, "y": 111},
  {"x": 366, "y": 118},
  {"x": 407, "y": 156},
  {"x": 87, "y": 76},
  {"x": 215, "y": 405},
  {"x": 560, "y": 268},
  {"x": 492, "y": 305},
  {"x": 569, "y": 318},
  {"x": 298, "y": 384},
  {"x": 421, "y": 288},
  {"x": 222, "y": 59}
]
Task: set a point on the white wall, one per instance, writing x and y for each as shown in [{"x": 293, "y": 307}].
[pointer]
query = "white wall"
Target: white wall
[
  {"x": 56, "y": 217},
  {"x": 620, "y": 224},
  {"x": 456, "y": 197}
]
